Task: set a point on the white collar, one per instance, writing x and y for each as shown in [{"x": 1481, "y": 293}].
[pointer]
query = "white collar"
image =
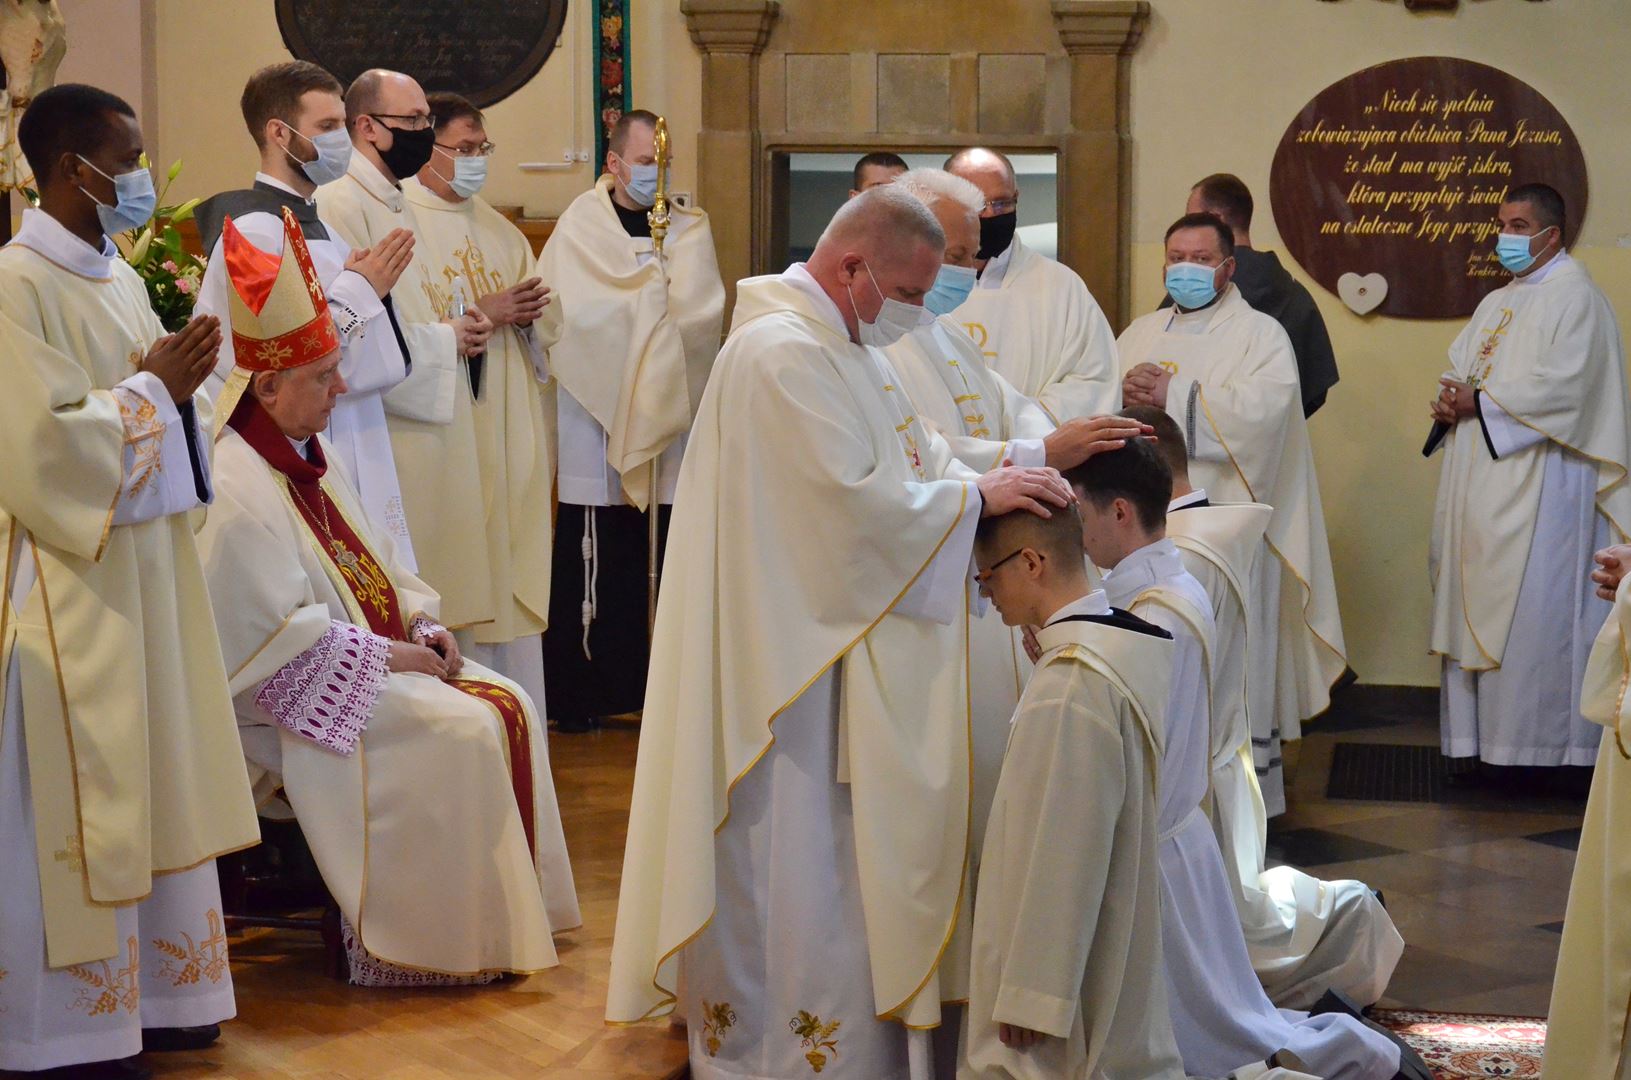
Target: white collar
[
  {"x": 300, "y": 446},
  {"x": 49, "y": 237},
  {"x": 375, "y": 183},
  {"x": 272, "y": 181},
  {"x": 1196, "y": 496},
  {"x": 1094, "y": 603},
  {"x": 799, "y": 278},
  {"x": 1147, "y": 566},
  {"x": 997, "y": 267},
  {"x": 1544, "y": 272}
]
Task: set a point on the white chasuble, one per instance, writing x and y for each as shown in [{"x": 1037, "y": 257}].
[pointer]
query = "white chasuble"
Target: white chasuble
[
  {"x": 118, "y": 783},
  {"x": 1067, "y": 923},
  {"x": 639, "y": 340},
  {"x": 1528, "y": 489},
  {"x": 414, "y": 820},
  {"x": 1221, "y": 1016},
  {"x": 1303, "y": 935},
  {"x": 986, "y": 422},
  {"x": 429, "y": 414},
  {"x": 1041, "y": 329},
  {"x": 514, "y": 417},
  {"x": 371, "y": 363},
  {"x": 801, "y": 799},
  {"x": 1591, "y": 993},
  {"x": 1235, "y": 394},
  {"x": 131, "y": 754}
]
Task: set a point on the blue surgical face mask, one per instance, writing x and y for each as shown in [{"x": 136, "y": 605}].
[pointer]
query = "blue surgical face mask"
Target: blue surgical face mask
[
  {"x": 642, "y": 183},
  {"x": 1513, "y": 250},
  {"x": 469, "y": 174},
  {"x": 1191, "y": 285},
  {"x": 134, "y": 200},
  {"x": 333, "y": 156},
  {"x": 951, "y": 287}
]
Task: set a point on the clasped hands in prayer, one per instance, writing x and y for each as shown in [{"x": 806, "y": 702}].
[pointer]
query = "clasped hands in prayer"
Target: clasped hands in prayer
[
  {"x": 184, "y": 359},
  {"x": 438, "y": 656},
  {"x": 1146, "y": 384}
]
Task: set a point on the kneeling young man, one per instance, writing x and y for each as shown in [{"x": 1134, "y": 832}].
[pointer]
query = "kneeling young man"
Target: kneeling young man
[
  {"x": 1066, "y": 978},
  {"x": 421, "y": 780}
]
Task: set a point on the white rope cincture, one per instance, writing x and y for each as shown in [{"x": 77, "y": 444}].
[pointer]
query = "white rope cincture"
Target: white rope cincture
[{"x": 591, "y": 575}]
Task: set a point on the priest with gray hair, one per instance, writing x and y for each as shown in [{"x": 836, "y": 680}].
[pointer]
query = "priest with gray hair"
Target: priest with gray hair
[{"x": 798, "y": 840}]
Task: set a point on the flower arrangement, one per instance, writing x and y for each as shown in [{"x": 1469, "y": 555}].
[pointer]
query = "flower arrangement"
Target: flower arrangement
[{"x": 156, "y": 252}]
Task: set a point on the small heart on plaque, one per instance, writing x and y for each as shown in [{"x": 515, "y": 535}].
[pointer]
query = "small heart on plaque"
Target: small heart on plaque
[{"x": 1363, "y": 293}]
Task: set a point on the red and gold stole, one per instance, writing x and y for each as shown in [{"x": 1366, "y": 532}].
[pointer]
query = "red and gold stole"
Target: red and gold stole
[{"x": 354, "y": 568}]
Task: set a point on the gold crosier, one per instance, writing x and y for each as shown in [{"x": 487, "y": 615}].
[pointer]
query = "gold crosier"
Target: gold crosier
[{"x": 658, "y": 217}]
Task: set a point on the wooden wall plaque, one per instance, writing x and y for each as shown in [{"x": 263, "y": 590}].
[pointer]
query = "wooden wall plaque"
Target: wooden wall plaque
[
  {"x": 1399, "y": 169},
  {"x": 483, "y": 49}
]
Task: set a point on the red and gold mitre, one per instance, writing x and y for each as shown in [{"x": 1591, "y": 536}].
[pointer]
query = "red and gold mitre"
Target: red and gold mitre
[{"x": 280, "y": 317}]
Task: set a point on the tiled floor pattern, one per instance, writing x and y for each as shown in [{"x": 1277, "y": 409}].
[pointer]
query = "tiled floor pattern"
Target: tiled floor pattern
[{"x": 1477, "y": 885}]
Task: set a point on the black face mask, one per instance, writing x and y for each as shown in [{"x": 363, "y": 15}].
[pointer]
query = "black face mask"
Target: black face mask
[
  {"x": 409, "y": 151},
  {"x": 996, "y": 233}
]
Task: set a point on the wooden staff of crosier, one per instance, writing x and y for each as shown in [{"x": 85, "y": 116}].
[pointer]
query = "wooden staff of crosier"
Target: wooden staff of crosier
[{"x": 658, "y": 216}]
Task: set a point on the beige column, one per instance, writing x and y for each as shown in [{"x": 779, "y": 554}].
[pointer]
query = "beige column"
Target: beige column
[
  {"x": 1095, "y": 167},
  {"x": 731, "y": 34}
]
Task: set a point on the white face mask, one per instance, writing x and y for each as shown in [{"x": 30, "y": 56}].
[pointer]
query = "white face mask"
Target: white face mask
[
  {"x": 469, "y": 174},
  {"x": 895, "y": 319}
]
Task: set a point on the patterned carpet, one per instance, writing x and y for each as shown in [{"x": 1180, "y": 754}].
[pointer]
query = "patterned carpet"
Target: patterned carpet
[{"x": 1465, "y": 1046}]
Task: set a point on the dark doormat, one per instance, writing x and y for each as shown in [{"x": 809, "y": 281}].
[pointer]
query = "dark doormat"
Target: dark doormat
[{"x": 1387, "y": 772}]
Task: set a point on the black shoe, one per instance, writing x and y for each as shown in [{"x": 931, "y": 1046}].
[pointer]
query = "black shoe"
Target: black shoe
[
  {"x": 122, "y": 1069},
  {"x": 574, "y": 725},
  {"x": 1411, "y": 1066},
  {"x": 165, "y": 1040}
]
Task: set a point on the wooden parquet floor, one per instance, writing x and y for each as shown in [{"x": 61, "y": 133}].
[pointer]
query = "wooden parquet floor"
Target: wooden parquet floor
[{"x": 295, "y": 1022}]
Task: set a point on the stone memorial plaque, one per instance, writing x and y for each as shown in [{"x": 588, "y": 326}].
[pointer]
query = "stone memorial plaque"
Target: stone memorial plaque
[
  {"x": 1396, "y": 173},
  {"x": 483, "y": 49}
]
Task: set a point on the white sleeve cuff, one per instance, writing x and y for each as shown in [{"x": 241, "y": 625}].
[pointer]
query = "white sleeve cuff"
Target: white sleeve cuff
[
  {"x": 1029, "y": 453},
  {"x": 1504, "y": 434},
  {"x": 162, "y": 475}
]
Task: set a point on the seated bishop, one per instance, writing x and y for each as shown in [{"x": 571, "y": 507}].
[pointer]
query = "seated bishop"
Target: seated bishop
[{"x": 420, "y": 779}]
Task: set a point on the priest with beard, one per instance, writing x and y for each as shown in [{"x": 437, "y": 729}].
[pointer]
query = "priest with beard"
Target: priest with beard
[
  {"x": 355, "y": 706},
  {"x": 1031, "y": 316},
  {"x": 796, "y": 869}
]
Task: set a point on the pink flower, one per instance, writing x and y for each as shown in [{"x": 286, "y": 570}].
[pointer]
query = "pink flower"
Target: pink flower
[
  {"x": 170, "y": 265},
  {"x": 184, "y": 286}
]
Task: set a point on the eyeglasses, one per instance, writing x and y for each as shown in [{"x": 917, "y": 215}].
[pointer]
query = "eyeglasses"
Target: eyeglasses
[
  {"x": 985, "y": 575},
  {"x": 410, "y": 123},
  {"x": 1003, "y": 206},
  {"x": 484, "y": 150}
]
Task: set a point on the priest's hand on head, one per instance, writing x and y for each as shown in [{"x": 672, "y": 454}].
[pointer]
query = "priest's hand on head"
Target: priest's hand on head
[
  {"x": 471, "y": 331},
  {"x": 1457, "y": 401},
  {"x": 1015, "y": 1037},
  {"x": 1146, "y": 384},
  {"x": 184, "y": 359},
  {"x": 1612, "y": 563},
  {"x": 417, "y": 659},
  {"x": 519, "y": 305},
  {"x": 1074, "y": 441},
  {"x": 1012, "y": 488},
  {"x": 383, "y": 263}
]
